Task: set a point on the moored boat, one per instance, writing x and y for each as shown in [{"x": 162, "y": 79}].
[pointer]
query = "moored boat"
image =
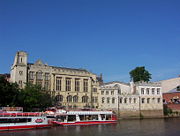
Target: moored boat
[
  {"x": 84, "y": 117},
  {"x": 22, "y": 120}
]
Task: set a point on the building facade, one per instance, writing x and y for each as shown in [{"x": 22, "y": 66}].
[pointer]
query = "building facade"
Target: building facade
[
  {"x": 72, "y": 88},
  {"x": 132, "y": 100}
]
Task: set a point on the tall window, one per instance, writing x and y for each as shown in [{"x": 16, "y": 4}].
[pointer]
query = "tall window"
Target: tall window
[
  {"x": 125, "y": 100},
  {"x": 85, "y": 85},
  {"x": 75, "y": 98},
  {"x": 102, "y": 92},
  {"x": 69, "y": 98},
  {"x": 31, "y": 75},
  {"x": 130, "y": 99},
  {"x": 39, "y": 75},
  {"x": 113, "y": 100},
  {"x": 143, "y": 100},
  {"x": 120, "y": 100},
  {"x": 46, "y": 76},
  {"x": 158, "y": 100},
  {"x": 142, "y": 90},
  {"x": 158, "y": 90},
  {"x": 58, "y": 83},
  {"x": 103, "y": 99},
  {"x": 148, "y": 100},
  {"x": 20, "y": 83},
  {"x": 68, "y": 84},
  {"x": 153, "y": 90},
  {"x": 46, "y": 85},
  {"x": 108, "y": 100},
  {"x": 134, "y": 100},
  {"x": 147, "y": 90},
  {"x": 85, "y": 99},
  {"x": 77, "y": 85},
  {"x": 39, "y": 78}
]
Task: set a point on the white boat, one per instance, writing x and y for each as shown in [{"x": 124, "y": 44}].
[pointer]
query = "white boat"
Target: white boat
[
  {"x": 84, "y": 117},
  {"x": 23, "y": 120}
]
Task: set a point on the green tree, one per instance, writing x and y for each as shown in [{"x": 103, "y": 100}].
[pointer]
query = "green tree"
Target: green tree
[
  {"x": 34, "y": 98},
  {"x": 9, "y": 93},
  {"x": 140, "y": 74}
]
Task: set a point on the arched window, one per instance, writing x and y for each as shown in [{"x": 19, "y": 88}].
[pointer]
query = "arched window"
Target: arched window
[
  {"x": 85, "y": 99},
  {"x": 69, "y": 98},
  {"x": 125, "y": 100},
  {"x": 75, "y": 98},
  {"x": 59, "y": 98}
]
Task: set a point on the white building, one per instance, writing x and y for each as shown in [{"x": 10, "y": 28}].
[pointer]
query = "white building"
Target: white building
[{"x": 140, "y": 99}]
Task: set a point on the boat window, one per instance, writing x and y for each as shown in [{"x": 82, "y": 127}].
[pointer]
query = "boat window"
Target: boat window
[
  {"x": 108, "y": 117},
  {"x": 71, "y": 117},
  {"x": 61, "y": 118},
  {"x": 103, "y": 116},
  {"x": 15, "y": 120}
]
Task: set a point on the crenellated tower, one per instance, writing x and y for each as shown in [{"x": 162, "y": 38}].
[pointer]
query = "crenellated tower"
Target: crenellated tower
[{"x": 19, "y": 69}]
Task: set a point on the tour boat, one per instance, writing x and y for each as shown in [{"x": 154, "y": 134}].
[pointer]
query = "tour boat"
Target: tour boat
[
  {"x": 65, "y": 118},
  {"x": 22, "y": 120}
]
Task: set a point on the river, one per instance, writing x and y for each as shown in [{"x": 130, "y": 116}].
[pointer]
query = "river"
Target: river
[{"x": 145, "y": 127}]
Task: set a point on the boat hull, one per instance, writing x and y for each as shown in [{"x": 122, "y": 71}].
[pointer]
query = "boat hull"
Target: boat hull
[
  {"x": 83, "y": 123},
  {"x": 7, "y": 128}
]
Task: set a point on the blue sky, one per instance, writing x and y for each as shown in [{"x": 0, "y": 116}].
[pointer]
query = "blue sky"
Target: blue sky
[{"x": 104, "y": 36}]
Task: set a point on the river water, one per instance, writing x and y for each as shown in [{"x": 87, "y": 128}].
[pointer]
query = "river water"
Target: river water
[{"x": 145, "y": 127}]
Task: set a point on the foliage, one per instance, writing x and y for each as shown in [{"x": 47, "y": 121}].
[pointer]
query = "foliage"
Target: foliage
[
  {"x": 167, "y": 110},
  {"x": 9, "y": 93},
  {"x": 31, "y": 98},
  {"x": 34, "y": 98},
  {"x": 140, "y": 74}
]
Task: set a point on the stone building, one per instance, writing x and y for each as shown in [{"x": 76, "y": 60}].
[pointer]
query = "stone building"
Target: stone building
[
  {"x": 72, "y": 88},
  {"x": 132, "y": 100}
]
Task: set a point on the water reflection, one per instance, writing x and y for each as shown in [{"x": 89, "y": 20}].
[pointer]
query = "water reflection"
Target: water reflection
[{"x": 146, "y": 127}]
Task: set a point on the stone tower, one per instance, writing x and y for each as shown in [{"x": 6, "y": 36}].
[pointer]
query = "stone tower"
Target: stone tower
[{"x": 19, "y": 69}]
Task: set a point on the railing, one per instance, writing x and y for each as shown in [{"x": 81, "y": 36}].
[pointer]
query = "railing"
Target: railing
[{"x": 24, "y": 114}]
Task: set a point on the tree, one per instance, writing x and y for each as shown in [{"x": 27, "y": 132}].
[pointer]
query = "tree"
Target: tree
[
  {"x": 34, "y": 98},
  {"x": 140, "y": 74},
  {"x": 9, "y": 93}
]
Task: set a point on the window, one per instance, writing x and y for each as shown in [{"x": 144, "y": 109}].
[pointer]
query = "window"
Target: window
[
  {"x": 39, "y": 75},
  {"x": 20, "y": 83},
  {"x": 102, "y": 99},
  {"x": 59, "y": 98},
  {"x": 153, "y": 90},
  {"x": 112, "y": 92},
  {"x": 108, "y": 99},
  {"x": 125, "y": 100},
  {"x": 147, "y": 90},
  {"x": 130, "y": 99},
  {"x": 58, "y": 83},
  {"x": 31, "y": 75},
  {"x": 102, "y": 92},
  {"x": 158, "y": 90},
  {"x": 148, "y": 100},
  {"x": 107, "y": 92},
  {"x": 85, "y": 99},
  {"x": 75, "y": 98},
  {"x": 142, "y": 90},
  {"x": 134, "y": 100},
  {"x": 94, "y": 89},
  {"x": 120, "y": 100},
  {"x": 46, "y": 76},
  {"x": 46, "y": 85},
  {"x": 68, "y": 84},
  {"x": 77, "y": 85},
  {"x": 153, "y": 100},
  {"x": 85, "y": 85},
  {"x": 69, "y": 98},
  {"x": 113, "y": 100},
  {"x": 142, "y": 100},
  {"x": 94, "y": 99},
  {"x": 20, "y": 73},
  {"x": 158, "y": 100}
]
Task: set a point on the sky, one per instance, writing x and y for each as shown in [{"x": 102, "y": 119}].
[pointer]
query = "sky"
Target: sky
[{"x": 111, "y": 37}]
